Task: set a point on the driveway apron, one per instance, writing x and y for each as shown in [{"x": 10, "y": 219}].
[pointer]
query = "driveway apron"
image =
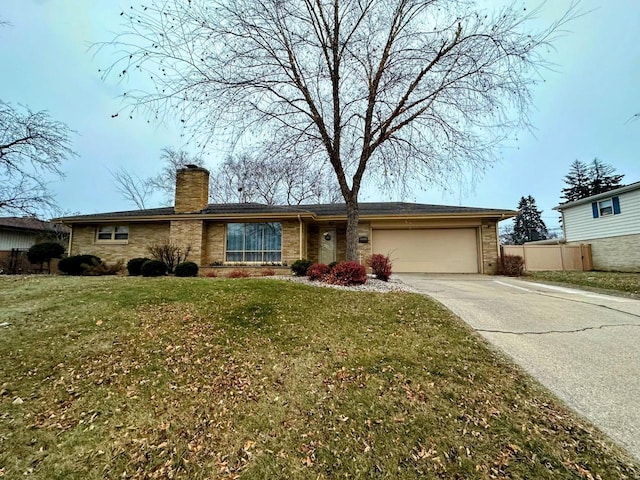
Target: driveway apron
[{"x": 583, "y": 346}]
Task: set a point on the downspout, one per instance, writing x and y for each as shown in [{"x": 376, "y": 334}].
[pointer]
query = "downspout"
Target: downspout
[
  {"x": 70, "y": 241},
  {"x": 300, "y": 246}
]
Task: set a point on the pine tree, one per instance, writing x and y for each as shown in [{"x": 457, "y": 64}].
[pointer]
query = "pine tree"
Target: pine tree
[
  {"x": 578, "y": 182},
  {"x": 585, "y": 180},
  {"x": 602, "y": 177},
  {"x": 528, "y": 225}
]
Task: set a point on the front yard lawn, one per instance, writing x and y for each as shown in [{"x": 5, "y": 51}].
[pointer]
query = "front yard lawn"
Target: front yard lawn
[
  {"x": 628, "y": 283},
  {"x": 209, "y": 378}
]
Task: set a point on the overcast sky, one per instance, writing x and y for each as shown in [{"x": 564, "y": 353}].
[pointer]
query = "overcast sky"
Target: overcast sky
[{"x": 582, "y": 109}]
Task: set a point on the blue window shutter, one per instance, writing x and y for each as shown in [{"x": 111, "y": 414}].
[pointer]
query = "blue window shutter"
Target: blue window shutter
[
  {"x": 594, "y": 209},
  {"x": 616, "y": 205}
]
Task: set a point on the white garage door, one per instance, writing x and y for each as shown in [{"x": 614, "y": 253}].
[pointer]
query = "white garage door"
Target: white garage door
[{"x": 433, "y": 250}]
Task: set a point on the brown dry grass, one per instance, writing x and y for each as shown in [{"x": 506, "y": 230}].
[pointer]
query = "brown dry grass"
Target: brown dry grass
[{"x": 205, "y": 378}]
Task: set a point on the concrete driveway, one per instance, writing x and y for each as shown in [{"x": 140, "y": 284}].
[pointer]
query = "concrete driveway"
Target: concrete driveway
[{"x": 584, "y": 347}]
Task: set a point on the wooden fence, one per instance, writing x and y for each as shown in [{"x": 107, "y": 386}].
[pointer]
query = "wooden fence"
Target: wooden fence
[{"x": 558, "y": 257}]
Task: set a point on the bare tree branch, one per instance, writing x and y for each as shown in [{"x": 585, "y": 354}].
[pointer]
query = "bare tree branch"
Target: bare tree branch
[
  {"x": 391, "y": 92},
  {"x": 31, "y": 146},
  {"x": 132, "y": 188}
]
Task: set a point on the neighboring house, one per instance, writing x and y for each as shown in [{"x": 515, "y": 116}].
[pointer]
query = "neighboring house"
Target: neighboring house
[
  {"x": 418, "y": 238},
  {"x": 18, "y": 234},
  {"x": 610, "y": 222}
]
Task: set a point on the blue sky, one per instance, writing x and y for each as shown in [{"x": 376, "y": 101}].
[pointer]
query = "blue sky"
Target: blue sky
[{"x": 581, "y": 109}]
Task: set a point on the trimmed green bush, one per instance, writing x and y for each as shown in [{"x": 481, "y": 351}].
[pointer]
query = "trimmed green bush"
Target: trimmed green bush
[
  {"x": 300, "y": 267},
  {"x": 44, "y": 252},
  {"x": 78, "y": 264},
  {"x": 134, "y": 266},
  {"x": 153, "y": 268},
  {"x": 186, "y": 269}
]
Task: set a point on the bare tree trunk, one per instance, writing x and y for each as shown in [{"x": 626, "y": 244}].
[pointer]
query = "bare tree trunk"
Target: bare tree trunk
[{"x": 353, "y": 216}]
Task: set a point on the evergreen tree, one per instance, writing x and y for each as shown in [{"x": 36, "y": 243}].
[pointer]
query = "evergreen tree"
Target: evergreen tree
[
  {"x": 578, "y": 182},
  {"x": 528, "y": 225},
  {"x": 585, "y": 180},
  {"x": 602, "y": 177}
]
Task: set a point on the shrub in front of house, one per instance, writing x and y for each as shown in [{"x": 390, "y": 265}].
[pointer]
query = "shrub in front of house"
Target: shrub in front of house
[
  {"x": 211, "y": 274},
  {"x": 134, "y": 266},
  {"x": 267, "y": 272},
  {"x": 44, "y": 252},
  {"x": 170, "y": 254},
  {"x": 511, "y": 265},
  {"x": 332, "y": 265},
  {"x": 238, "y": 273},
  {"x": 77, "y": 264},
  {"x": 318, "y": 271},
  {"x": 300, "y": 267},
  {"x": 186, "y": 269},
  {"x": 103, "y": 268},
  {"x": 380, "y": 266},
  {"x": 153, "y": 268},
  {"x": 347, "y": 273}
]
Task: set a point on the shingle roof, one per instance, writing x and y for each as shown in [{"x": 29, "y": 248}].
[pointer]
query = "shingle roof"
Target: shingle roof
[
  {"x": 397, "y": 208},
  {"x": 248, "y": 208},
  {"x": 319, "y": 210},
  {"x": 27, "y": 223},
  {"x": 126, "y": 213}
]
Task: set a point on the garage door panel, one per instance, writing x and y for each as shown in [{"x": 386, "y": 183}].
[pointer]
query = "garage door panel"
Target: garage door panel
[{"x": 437, "y": 250}]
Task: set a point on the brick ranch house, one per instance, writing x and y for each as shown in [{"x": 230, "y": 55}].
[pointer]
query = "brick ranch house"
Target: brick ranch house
[{"x": 417, "y": 237}]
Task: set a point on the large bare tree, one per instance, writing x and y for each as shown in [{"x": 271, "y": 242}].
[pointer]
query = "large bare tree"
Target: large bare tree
[
  {"x": 32, "y": 145},
  {"x": 395, "y": 91},
  {"x": 274, "y": 180}
]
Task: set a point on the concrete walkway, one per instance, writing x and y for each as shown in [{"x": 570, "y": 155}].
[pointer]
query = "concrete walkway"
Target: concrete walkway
[{"x": 584, "y": 347}]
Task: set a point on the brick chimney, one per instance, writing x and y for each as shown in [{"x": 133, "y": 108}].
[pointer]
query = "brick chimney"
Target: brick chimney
[{"x": 192, "y": 189}]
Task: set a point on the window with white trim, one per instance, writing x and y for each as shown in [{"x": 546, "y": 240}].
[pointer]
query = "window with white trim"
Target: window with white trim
[
  {"x": 254, "y": 242},
  {"x": 605, "y": 207},
  {"x": 112, "y": 233}
]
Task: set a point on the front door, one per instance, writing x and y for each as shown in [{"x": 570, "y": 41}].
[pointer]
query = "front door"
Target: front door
[{"x": 327, "y": 246}]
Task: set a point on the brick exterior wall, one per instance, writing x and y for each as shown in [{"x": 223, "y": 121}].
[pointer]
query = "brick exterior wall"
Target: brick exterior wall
[
  {"x": 489, "y": 241},
  {"x": 615, "y": 253},
  {"x": 192, "y": 189},
  {"x": 313, "y": 243},
  {"x": 290, "y": 241},
  {"x": 214, "y": 243},
  {"x": 364, "y": 249},
  {"x": 141, "y": 235},
  {"x": 189, "y": 233}
]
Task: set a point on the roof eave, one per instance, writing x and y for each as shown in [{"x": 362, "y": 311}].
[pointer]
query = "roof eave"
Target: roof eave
[
  {"x": 498, "y": 215},
  {"x": 178, "y": 216}
]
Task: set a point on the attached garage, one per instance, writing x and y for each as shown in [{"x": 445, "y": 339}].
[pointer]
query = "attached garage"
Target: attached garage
[{"x": 429, "y": 250}]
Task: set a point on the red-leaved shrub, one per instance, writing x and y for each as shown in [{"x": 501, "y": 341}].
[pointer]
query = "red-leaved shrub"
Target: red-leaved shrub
[
  {"x": 211, "y": 274},
  {"x": 317, "y": 271},
  {"x": 347, "y": 273},
  {"x": 267, "y": 272},
  {"x": 238, "y": 273},
  {"x": 511, "y": 265},
  {"x": 380, "y": 266}
]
